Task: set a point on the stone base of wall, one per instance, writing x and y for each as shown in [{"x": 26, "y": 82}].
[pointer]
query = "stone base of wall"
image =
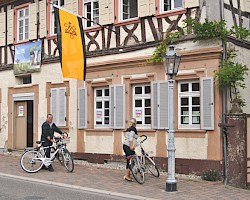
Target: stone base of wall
[{"x": 182, "y": 166}]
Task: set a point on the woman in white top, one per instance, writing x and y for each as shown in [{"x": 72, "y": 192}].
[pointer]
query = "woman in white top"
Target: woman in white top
[{"x": 129, "y": 145}]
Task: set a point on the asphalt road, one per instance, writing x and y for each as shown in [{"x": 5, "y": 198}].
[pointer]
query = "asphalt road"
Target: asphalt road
[{"x": 15, "y": 189}]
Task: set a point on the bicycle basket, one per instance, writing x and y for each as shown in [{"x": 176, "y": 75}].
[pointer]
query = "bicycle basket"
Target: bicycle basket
[{"x": 66, "y": 140}]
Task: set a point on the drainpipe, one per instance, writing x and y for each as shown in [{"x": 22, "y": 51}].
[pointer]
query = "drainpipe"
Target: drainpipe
[{"x": 224, "y": 100}]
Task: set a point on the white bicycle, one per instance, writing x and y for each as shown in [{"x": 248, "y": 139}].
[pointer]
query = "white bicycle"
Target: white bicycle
[
  {"x": 139, "y": 165},
  {"x": 34, "y": 158}
]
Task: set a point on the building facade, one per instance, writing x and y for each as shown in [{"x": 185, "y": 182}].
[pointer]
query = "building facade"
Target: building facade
[{"x": 120, "y": 82}]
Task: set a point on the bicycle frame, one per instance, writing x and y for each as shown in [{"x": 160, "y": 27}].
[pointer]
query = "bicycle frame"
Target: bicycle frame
[{"x": 47, "y": 161}]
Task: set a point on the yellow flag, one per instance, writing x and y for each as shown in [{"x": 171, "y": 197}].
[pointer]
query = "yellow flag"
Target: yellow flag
[{"x": 71, "y": 44}]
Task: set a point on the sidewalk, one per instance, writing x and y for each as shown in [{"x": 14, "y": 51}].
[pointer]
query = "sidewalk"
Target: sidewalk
[{"x": 111, "y": 181}]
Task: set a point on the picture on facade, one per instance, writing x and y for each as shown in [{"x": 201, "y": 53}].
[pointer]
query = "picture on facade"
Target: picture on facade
[
  {"x": 28, "y": 57},
  {"x": 20, "y": 111},
  {"x": 138, "y": 114}
]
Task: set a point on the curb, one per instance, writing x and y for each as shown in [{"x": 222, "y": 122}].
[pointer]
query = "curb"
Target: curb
[{"x": 77, "y": 187}]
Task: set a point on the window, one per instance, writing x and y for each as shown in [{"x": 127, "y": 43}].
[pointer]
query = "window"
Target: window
[
  {"x": 53, "y": 28},
  {"x": 171, "y": 4},
  {"x": 23, "y": 24},
  {"x": 101, "y": 107},
  {"x": 189, "y": 104},
  {"x": 129, "y": 9},
  {"x": 91, "y": 11},
  {"x": 142, "y": 104}
]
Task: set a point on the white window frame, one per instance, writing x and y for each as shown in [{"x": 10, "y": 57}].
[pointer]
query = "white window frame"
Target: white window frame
[
  {"x": 23, "y": 18},
  {"x": 188, "y": 94},
  {"x": 92, "y": 12},
  {"x": 102, "y": 99},
  {"x": 142, "y": 97},
  {"x": 52, "y": 15},
  {"x": 121, "y": 9},
  {"x": 171, "y": 4}
]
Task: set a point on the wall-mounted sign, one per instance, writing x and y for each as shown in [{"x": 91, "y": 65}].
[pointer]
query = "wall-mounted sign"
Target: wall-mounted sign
[
  {"x": 20, "y": 111},
  {"x": 28, "y": 57}
]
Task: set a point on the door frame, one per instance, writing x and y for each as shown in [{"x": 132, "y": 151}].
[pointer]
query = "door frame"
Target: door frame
[{"x": 21, "y": 97}]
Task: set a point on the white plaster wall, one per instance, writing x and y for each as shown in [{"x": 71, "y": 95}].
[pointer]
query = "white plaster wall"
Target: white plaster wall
[
  {"x": 149, "y": 146},
  {"x": 191, "y": 148},
  {"x": 7, "y": 80},
  {"x": 99, "y": 144}
]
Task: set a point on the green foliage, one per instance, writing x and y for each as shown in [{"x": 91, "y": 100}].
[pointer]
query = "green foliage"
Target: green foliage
[
  {"x": 211, "y": 175},
  {"x": 231, "y": 75},
  {"x": 240, "y": 32},
  {"x": 208, "y": 29},
  {"x": 162, "y": 46}
]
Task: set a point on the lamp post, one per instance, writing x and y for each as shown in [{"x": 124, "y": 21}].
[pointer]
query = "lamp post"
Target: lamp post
[{"x": 171, "y": 63}]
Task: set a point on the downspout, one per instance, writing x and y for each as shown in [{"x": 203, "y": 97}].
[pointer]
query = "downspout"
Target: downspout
[{"x": 224, "y": 100}]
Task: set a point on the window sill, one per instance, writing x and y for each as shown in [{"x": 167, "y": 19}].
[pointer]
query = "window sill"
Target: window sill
[
  {"x": 99, "y": 130},
  {"x": 187, "y": 133},
  {"x": 92, "y": 29},
  {"x": 171, "y": 13},
  {"x": 51, "y": 37},
  {"x": 128, "y": 21},
  {"x": 21, "y": 42}
]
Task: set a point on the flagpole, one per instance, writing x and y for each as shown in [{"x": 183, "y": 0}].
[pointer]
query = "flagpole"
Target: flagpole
[{"x": 82, "y": 17}]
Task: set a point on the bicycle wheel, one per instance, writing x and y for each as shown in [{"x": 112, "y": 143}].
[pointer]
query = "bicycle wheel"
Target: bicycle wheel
[
  {"x": 68, "y": 160},
  {"x": 136, "y": 170},
  {"x": 151, "y": 167},
  {"x": 30, "y": 161},
  {"x": 59, "y": 157}
]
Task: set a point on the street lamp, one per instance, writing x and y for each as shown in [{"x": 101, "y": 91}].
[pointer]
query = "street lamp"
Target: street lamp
[{"x": 171, "y": 63}]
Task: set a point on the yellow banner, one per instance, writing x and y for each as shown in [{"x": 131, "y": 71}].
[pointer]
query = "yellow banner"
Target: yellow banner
[{"x": 72, "y": 45}]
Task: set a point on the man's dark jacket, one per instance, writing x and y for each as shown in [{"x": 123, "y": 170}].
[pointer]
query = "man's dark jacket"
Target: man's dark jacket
[{"x": 48, "y": 130}]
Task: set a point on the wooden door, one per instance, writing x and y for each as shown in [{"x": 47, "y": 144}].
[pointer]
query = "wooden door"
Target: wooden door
[{"x": 20, "y": 124}]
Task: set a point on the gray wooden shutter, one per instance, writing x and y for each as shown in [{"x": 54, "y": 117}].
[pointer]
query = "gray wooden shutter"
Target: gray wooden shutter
[
  {"x": 68, "y": 5},
  {"x": 61, "y": 107},
  {"x": 119, "y": 106},
  {"x": 75, "y": 7},
  {"x": 159, "y": 102},
  {"x": 207, "y": 103},
  {"x": 82, "y": 108},
  {"x": 163, "y": 105},
  {"x": 2, "y": 28},
  {"x": 106, "y": 12},
  {"x": 42, "y": 18},
  {"x": 191, "y": 3},
  {"x": 111, "y": 105},
  {"x": 53, "y": 103},
  {"x": 32, "y": 21},
  {"x": 146, "y": 8},
  {"x": 154, "y": 104},
  {"x": 10, "y": 26}
]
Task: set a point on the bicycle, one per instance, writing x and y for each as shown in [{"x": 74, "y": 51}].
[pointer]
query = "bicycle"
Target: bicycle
[
  {"x": 34, "y": 158},
  {"x": 139, "y": 165}
]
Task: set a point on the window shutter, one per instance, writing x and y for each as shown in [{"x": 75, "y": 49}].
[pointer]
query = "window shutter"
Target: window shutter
[
  {"x": 207, "y": 103},
  {"x": 32, "y": 21},
  {"x": 191, "y": 3},
  {"x": 10, "y": 26},
  {"x": 247, "y": 5},
  {"x": 82, "y": 108},
  {"x": 106, "y": 12},
  {"x": 163, "y": 105},
  {"x": 75, "y": 7},
  {"x": 111, "y": 106},
  {"x": 2, "y": 28},
  {"x": 42, "y": 18},
  {"x": 53, "y": 104},
  {"x": 119, "y": 106},
  {"x": 62, "y": 107},
  {"x": 154, "y": 103},
  {"x": 146, "y": 8},
  {"x": 159, "y": 100},
  {"x": 68, "y": 5}
]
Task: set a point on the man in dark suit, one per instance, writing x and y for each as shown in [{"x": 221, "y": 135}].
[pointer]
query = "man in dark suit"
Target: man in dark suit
[{"x": 48, "y": 129}]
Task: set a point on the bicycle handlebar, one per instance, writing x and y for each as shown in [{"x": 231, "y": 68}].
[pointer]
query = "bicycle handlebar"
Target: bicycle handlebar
[{"x": 144, "y": 138}]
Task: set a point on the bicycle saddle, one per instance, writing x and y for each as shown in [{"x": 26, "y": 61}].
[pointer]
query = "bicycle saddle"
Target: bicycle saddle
[{"x": 40, "y": 142}]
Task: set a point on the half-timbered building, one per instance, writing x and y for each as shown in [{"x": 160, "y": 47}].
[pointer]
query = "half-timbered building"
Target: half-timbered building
[{"x": 120, "y": 82}]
